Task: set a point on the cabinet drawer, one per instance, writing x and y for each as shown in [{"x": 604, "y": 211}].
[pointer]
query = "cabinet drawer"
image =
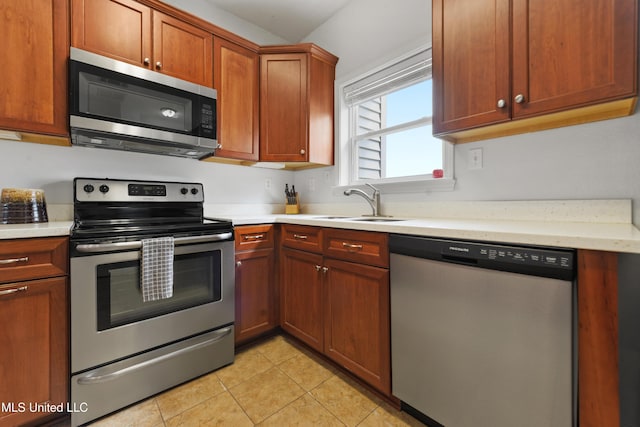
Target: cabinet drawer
[
  {"x": 358, "y": 246},
  {"x": 251, "y": 237},
  {"x": 302, "y": 237},
  {"x": 25, "y": 259}
]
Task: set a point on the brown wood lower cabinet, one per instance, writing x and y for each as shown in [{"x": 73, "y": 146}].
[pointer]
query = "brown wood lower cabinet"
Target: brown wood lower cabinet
[
  {"x": 34, "y": 337},
  {"x": 34, "y": 342},
  {"x": 339, "y": 307},
  {"x": 255, "y": 282},
  {"x": 357, "y": 320},
  {"x": 302, "y": 297}
]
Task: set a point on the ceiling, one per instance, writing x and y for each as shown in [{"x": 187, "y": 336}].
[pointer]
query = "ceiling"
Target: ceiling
[{"x": 290, "y": 19}]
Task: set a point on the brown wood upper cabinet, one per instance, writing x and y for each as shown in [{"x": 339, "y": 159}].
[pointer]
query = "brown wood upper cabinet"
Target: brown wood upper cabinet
[
  {"x": 296, "y": 104},
  {"x": 132, "y": 32},
  {"x": 34, "y": 57},
  {"x": 531, "y": 64},
  {"x": 236, "y": 71}
]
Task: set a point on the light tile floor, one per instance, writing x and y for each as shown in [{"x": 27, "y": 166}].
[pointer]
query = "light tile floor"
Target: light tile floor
[{"x": 273, "y": 383}]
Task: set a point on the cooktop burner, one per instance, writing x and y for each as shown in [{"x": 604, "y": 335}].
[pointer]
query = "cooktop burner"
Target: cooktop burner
[{"x": 124, "y": 209}]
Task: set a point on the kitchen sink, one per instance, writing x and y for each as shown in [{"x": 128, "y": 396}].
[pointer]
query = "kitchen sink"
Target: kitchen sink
[
  {"x": 364, "y": 218},
  {"x": 376, "y": 219}
]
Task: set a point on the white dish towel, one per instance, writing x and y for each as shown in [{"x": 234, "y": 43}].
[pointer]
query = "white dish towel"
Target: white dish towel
[{"x": 156, "y": 268}]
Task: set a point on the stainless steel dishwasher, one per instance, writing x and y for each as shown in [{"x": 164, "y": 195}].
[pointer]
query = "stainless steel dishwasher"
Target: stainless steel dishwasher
[{"x": 483, "y": 334}]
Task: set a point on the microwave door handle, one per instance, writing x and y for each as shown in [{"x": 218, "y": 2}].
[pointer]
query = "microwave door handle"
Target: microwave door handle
[{"x": 137, "y": 244}]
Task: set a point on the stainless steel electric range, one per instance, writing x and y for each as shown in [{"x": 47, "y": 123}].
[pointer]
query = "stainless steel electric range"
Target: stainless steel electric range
[{"x": 125, "y": 346}]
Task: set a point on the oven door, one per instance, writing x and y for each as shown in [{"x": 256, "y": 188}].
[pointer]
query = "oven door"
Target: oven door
[{"x": 109, "y": 320}]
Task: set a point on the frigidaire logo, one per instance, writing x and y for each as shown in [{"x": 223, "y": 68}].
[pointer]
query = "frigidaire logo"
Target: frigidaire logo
[{"x": 457, "y": 249}]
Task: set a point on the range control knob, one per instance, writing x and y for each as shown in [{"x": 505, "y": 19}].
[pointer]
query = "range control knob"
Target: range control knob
[
  {"x": 104, "y": 188},
  {"x": 194, "y": 191},
  {"x": 183, "y": 190},
  {"x": 88, "y": 188}
]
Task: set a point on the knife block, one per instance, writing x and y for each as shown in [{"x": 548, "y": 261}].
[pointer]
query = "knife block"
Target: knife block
[{"x": 292, "y": 208}]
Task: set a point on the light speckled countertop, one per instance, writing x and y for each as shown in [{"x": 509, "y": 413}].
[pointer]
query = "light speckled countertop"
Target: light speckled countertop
[
  {"x": 45, "y": 229},
  {"x": 616, "y": 236}
]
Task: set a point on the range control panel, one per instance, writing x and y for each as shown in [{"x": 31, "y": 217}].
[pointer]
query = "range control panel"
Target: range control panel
[{"x": 115, "y": 190}]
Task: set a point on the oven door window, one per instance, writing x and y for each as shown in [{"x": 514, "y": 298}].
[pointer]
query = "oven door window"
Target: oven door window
[{"x": 196, "y": 281}]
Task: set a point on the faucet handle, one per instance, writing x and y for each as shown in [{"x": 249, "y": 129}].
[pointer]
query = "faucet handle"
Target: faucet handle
[{"x": 372, "y": 187}]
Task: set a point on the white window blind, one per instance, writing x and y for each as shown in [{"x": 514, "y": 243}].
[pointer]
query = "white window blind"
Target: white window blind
[{"x": 404, "y": 73}]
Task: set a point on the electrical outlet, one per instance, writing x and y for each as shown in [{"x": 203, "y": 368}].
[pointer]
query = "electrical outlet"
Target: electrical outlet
[
  {"x": 267, "y": 184},
  {"x": 312, "y": 184},
  {"x": 475, "y": 158}
]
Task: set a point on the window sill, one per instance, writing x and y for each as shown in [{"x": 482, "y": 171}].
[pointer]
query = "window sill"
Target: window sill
[{"x": 404, "y": 186}]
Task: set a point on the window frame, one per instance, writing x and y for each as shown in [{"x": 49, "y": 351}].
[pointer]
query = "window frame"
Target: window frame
[{"x": 347, "y": 153}]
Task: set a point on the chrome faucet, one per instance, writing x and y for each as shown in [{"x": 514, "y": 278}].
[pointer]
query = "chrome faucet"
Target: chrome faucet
[{"x": 373, "y": 200}]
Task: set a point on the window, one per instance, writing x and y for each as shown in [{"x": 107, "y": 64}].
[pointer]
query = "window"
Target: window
[{"x": 389, "y": 124}]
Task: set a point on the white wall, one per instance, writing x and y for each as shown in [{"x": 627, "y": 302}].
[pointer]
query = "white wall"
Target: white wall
[{"x": 598, "y": 160}]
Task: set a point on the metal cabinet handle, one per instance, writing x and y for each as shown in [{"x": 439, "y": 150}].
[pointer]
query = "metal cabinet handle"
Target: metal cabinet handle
[
  {"x": 238, "y": 263},
  {"x": 158, "y": 65},
  {"x": 351, "y": 246},
  {"x": 318, "y": 267},
  {"x": 137, "y": 244},
  {"x": 14, "y": 290},
  {"x": 502, "y": 103},
  {"x": 254, "y": 237},
  {"x": 325, "y": 269},
  {"x": 106, "y": 374},
  {"x": 300, "y": 237},
  {"x": 302, "y": 152},
  {"x": 146, "y": 61},
  {"x": 14, "y": 260},
  {"x": 519, "y": 98}
]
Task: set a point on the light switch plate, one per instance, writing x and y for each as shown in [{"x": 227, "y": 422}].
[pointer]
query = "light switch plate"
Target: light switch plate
[{"x": 475, "y": 158}]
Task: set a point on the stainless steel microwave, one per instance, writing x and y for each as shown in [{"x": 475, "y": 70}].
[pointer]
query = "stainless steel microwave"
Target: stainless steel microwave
[{"x": 120, "y": 106}]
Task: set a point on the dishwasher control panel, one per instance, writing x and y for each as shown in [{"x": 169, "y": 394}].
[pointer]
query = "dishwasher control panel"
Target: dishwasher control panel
[
  {"x": 517, "y": 255},
  {"x": 546, "y": 262}
]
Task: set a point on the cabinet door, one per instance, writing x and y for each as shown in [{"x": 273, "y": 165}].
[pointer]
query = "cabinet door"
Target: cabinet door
[
  {"x": 236, "y": 73},
  {"x": 283, "y": 107},
  {"x": 301, "y": 293},
  {"x": 33, "y": 87},
  {"x": 34, "y": 342},
  {"x": 569, "y": 54},
  {"x": 255, "y": 308},
  {"x": 470, "y": 63},
  {"x": 357, "y": 321},
  {"x": 119, "y": 29},
  {"x": 182, "y": 50}
]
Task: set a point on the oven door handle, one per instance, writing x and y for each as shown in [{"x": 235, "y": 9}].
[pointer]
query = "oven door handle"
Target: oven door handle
[
  {"x": 95, "y": 379},
  {"x": 137, "y": 244}
]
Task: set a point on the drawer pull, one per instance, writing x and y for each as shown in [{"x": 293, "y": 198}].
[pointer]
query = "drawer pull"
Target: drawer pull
[
  {"x": 254, "y": 237},
  {"x": 14, "y": 290},
  {"x": 318, "y": 267},
  {"x": 300, "y": 237},
  {"x": 14, "y": 260},
  {"x": 351, "y": 246}
]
